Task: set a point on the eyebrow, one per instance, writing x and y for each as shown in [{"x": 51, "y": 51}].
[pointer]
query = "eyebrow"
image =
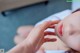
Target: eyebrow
[{"x": 76, "y": 10}]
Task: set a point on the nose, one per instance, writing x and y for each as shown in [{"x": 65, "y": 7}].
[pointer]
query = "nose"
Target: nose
[{"x": 69, "y": 30}]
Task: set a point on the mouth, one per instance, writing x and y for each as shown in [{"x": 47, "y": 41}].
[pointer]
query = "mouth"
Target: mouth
[{"x": 60, "y": 30}]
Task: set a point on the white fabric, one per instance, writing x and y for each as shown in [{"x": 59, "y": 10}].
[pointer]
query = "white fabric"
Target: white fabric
[
  {"x": 54, "y": 51},
  {"x": 57, "y": 16}
]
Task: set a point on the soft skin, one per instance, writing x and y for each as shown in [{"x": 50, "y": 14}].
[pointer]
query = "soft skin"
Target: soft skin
[
  {"x": 35, "y": 39},
  {"x": 70, "y": 35},
  {"x": 70, "y": 30}
]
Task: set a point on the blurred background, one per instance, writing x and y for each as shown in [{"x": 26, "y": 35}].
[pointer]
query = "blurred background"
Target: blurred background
[{"x": 15, "y": 13}]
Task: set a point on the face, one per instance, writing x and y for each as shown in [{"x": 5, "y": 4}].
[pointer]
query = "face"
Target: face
[{"x": 68, "y": 30}]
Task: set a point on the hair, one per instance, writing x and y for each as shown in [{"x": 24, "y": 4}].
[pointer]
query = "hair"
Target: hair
[
  {"x": 71, "y": 50},
  {"x": 76, "y": 10}
]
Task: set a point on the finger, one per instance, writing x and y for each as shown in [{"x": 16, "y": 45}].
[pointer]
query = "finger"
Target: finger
[
  {"x": 49, "y": 33},
  {"x": 50, "y": 40},
  {"x": 18, "y": 39},
  {"x": 37, "y": 33},
  {"x": 52, "y": 26},
  {"x": 36, "y": 36},
  {"x": 24, "y": 30},
  {"x": 45, "y": 25},
  {"x": 55, "y": 22}
]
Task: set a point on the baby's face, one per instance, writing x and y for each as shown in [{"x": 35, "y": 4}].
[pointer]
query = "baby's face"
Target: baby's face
[{"x": 69, "y": 30}]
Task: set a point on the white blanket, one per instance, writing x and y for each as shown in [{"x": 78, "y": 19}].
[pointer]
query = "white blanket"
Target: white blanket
[
  {"x": 55, "y": 51},
  {"x": 58, "y": 16}
]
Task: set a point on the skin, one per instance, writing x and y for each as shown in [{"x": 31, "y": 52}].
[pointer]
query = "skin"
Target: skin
[
  {"x": 23, "y": 31},
  {"x": 70, "y": 31},
  {"x": 35, "y": 39},
  {"x": 70, "y": 35}
]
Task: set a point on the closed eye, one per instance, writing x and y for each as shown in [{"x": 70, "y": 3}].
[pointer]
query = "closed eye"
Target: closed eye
[{"x": 72, "y": 31}]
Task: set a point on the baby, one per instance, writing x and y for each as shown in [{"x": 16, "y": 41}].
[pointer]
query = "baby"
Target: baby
[{"x": 68, "y": 31}]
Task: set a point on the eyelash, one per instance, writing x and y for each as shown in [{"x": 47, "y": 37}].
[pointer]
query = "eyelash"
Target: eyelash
[{"x": 72, "y": 32}]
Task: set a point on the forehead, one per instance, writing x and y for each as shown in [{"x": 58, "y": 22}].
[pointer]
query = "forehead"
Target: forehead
[
  {"x": 74, "y": 19},
  {"x": 75, "y": 16}
]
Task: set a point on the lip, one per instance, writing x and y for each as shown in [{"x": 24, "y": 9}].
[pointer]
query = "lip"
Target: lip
[{"x": 60, "y": 30}]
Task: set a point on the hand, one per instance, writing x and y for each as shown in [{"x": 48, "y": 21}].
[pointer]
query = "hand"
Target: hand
[
  {"x": 35, "y": 39},
  {"x": 22, "y": 33}
]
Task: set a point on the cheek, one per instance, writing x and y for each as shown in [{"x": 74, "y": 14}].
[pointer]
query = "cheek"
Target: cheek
[{"x": 74, "y": 43}]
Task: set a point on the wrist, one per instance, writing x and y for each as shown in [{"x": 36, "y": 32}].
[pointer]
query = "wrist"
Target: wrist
[{"x": 28, "y": 48}]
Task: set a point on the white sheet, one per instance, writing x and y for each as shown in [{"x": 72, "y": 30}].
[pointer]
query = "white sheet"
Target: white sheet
[
  {"x": 55, "y": 51},
  {"x": 58, "y": 16}
]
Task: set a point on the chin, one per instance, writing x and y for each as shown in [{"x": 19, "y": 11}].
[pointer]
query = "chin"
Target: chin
[{"x": 75, "y": 46}]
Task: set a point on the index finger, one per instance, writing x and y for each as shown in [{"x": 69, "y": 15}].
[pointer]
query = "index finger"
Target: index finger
[
  {"x": 47, "y": 24},
  {"x": 38, "y": 32},
  {"x": 55, "y": 22}
]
